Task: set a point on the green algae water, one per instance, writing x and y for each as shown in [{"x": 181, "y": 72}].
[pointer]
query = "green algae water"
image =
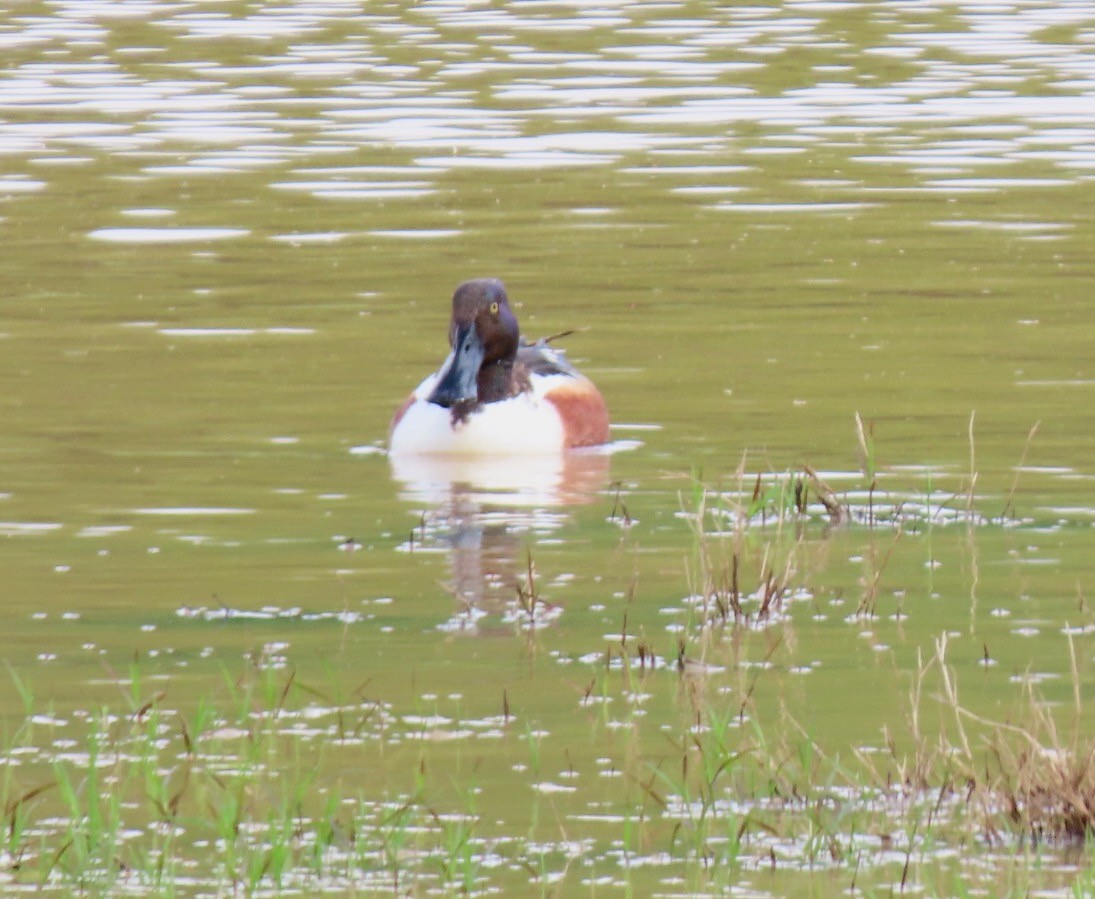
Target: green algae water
[{"x": 246, "y": 653}]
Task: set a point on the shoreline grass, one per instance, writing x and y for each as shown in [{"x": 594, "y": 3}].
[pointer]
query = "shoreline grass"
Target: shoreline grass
[{"x": 239, "y": 795}]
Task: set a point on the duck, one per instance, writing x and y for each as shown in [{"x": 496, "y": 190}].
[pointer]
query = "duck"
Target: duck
[{"x": 496, "y": 393}]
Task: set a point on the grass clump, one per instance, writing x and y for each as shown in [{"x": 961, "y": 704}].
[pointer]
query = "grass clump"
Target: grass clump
[
  {"x": 1027, "y": 779},
  {"x": 738, "y": 794}
]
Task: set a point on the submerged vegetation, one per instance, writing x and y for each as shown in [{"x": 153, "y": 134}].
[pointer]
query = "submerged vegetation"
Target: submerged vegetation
[{"x": 705, "y": 770}]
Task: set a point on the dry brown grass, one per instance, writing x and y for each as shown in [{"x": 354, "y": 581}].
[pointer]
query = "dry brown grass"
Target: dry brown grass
[{"x": 1025, "y": 778}]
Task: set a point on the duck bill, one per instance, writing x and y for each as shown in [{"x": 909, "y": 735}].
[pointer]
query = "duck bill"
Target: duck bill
[{"x": 460, "y": 377}]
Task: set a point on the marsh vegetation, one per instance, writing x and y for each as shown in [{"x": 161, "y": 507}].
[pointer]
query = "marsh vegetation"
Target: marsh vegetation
[{"x": 691, "y": 758}]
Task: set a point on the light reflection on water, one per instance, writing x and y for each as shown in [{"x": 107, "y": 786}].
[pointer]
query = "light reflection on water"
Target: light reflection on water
[{"x": 413, "y": 84}]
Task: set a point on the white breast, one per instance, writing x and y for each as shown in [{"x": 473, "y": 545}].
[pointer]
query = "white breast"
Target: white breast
[{"x": 525, "y": 424}]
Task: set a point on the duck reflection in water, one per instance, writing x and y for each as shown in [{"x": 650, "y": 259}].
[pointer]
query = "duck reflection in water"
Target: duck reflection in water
[{"x": 487, "y": 514}]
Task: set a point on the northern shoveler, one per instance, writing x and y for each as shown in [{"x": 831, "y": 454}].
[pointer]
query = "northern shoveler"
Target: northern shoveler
[{"x": 496, "y": 393}]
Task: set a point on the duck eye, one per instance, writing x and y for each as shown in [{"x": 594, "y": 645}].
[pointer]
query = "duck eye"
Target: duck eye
[{"x": 493, "y": 308}]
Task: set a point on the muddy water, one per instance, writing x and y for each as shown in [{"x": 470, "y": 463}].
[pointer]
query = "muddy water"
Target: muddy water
[{"x": 230, "y": 232}]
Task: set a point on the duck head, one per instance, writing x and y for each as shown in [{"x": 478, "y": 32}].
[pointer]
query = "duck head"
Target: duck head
[{"x": 484, "y": 336}]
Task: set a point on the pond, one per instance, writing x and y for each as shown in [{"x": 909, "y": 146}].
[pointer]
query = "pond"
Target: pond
[{"x": 830, "y": 265}]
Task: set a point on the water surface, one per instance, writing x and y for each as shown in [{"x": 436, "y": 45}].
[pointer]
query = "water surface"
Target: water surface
[{"x": 231, "y": 231}]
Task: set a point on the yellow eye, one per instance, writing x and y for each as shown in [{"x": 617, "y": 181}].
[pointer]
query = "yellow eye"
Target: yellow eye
[{"x": 493, "y": 308}]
